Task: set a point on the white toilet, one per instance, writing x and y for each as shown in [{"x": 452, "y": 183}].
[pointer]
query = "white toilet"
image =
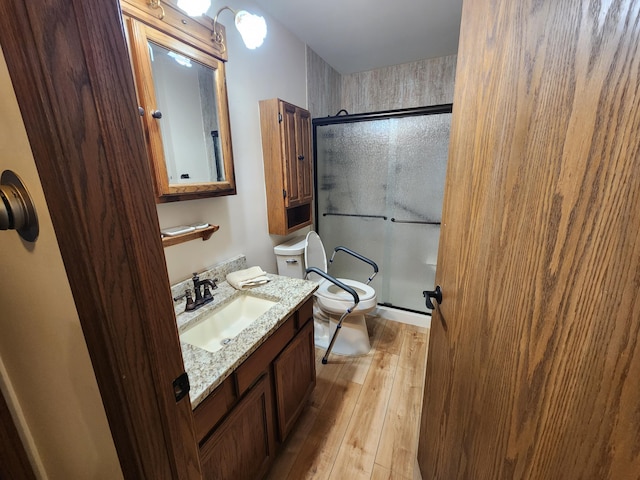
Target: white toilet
[{"x": 294, "y": 257}]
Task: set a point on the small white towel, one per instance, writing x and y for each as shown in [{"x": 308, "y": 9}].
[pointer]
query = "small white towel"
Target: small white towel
[{"x": 243, "y": 279}]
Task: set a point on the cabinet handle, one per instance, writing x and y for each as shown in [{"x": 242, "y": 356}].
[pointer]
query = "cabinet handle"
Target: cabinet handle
[
  {"x": 156, "y": 114},
  {"x": 141, "y": 111},
  {"x": 300, "y": 157}
]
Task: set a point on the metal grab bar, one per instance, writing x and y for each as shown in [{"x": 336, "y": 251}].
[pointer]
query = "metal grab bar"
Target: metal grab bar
[
  {"x": 328, "y": 214},
  {"x": 418, "y": 222},
  {"x": 359, "y": 257},
  {"x": 335, "y": 281},
  {"x": 347, "y": 289}
]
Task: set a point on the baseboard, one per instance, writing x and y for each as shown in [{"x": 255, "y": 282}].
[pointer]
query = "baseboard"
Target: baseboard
[{"x": 402, "y": 316}]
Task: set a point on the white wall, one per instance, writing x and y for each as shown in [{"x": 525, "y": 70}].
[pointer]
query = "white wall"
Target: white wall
[
  {"x": 45, "y": 370},
  {"x": 276, "y": 69}
]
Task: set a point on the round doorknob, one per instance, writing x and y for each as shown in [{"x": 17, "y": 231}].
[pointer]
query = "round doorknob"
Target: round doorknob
[
  {"x": 17, "y": 210},
  {"x": 156, "y": 114}
]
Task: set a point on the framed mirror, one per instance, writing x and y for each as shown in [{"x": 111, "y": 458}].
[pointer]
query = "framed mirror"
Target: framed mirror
[{"x": 185, "y": 115}]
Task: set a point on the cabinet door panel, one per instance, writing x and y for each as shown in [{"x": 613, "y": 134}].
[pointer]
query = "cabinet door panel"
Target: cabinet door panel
[
  {"x": 242, "y": 448},
  {"x": 304, "y": 157},
  {"x": 295, "y": 377},
  {"x": 289, "y": 148}
]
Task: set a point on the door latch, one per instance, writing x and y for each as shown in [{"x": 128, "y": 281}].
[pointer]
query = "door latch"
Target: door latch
[
  {"x": 435, "y": 294},
  {"x": 181, "y": 386}
]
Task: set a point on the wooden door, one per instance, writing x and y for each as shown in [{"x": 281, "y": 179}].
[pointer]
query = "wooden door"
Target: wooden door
[
  {"x": 534, "y": 357},
  {"x": 69, "y": 66}
]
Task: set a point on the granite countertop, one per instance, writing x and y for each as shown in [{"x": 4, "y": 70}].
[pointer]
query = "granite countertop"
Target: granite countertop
[{"x": 206, "y": 369}]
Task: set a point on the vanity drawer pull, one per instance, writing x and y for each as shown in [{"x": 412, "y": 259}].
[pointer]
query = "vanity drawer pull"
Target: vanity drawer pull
[{"x": 291, "y": 261}]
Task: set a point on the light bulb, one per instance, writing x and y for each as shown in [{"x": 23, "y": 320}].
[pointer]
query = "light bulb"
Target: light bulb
[
  {"x": 194, "y": 8},
  {"x": 253, "y": 28}
]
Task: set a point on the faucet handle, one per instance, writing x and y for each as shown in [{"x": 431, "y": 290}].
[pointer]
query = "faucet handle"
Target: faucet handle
[
  {"x": 190, "y": 305},
  {"x": 209, "y": 284}
]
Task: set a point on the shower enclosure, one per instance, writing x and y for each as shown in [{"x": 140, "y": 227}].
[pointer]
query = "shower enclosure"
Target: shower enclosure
[{"x": 379, "y": 187}]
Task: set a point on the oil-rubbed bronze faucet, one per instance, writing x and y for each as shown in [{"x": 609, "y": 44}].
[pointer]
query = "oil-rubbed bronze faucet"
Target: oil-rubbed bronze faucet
[
  {"x": 202, "y": 289},
  {"x": 203, "y": 296}
]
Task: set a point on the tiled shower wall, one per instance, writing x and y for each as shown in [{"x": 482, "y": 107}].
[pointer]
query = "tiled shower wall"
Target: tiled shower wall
[
  {"x": 324, "y": 86},
  {"x": 415, "y": 84}
]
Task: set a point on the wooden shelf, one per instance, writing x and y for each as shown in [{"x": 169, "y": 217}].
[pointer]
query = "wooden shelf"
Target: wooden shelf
[{"x": 204, "y": 233}]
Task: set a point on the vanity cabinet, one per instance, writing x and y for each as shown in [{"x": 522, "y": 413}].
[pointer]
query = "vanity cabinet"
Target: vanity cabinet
[
  {"x": 288, "y": 165},
  {"x": 241, "y": 425}
]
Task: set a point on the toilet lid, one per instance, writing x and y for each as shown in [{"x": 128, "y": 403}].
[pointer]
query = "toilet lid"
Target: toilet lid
[{"x": 314, "y": 255}]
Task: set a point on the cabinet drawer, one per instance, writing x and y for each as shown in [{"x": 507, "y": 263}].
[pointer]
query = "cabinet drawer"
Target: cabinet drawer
[
  {"x": 259, "y": 361},
  {"x": 213, "y": 408}
]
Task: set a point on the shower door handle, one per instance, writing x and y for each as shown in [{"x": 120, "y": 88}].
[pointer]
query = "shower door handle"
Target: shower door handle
[{"x": 435, "y": 294}]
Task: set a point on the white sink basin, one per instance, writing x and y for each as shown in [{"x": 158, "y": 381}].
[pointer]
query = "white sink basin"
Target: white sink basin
[{"x": 216, "y": 329}]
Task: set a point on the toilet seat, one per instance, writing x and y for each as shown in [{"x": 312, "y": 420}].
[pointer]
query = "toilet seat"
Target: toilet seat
[{"x": 335, "y": 300}]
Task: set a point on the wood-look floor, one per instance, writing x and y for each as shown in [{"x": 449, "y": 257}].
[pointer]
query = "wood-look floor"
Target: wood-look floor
[{"x": 364, "y": 415}]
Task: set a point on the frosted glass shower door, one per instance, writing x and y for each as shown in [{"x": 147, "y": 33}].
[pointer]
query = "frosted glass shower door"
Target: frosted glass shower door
[
  {"x": 380, "y": 185},
  {"x": 417, "y": 168},
  {"x": 351, "y": 173}
]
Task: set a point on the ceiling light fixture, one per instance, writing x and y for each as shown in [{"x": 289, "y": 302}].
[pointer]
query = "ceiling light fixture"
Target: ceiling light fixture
[{"x": 252, "y": 27}]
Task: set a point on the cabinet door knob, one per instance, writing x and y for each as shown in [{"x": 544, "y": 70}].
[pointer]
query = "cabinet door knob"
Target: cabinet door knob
[
  {"x": 141, "y": 111},
  {"x": 156, "y": 114},
  {"x": 300, "y": 157}
]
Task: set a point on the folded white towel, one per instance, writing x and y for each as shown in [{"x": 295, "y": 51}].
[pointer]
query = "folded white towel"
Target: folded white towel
[{"x": 243, "y": 279}]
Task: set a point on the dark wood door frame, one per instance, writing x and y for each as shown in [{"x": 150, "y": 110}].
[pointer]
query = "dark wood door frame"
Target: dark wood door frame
[
  {"x": 14, "y": 462},
  {"x": 69, "y": 66}
]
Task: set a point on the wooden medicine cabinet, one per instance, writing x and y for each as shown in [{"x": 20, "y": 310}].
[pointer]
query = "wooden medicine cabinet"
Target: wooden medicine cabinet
[
  {"x": 181, "y": 88},
  {"x": 288, "y": 165}
]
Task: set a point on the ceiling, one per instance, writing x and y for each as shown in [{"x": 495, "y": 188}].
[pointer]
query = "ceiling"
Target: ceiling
[{"x": 359, "y": 35}]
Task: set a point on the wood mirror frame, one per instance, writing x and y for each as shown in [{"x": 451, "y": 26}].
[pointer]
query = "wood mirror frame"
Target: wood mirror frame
[{"x": 169, "y": 28}]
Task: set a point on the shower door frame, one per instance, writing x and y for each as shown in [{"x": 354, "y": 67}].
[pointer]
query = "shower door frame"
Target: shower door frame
[{"x": 365, "y": 117}]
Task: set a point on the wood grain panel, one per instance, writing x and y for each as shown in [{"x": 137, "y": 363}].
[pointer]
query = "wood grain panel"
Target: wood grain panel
[
  {"x": 69, "y": 66},
  {"x": 261, "y": 359},
  {"x": 294, "y": 376},
  {"x": 243, "y": 447},
  {"x": 534, "y": 354},
  {"x": 213, "y": 408}
]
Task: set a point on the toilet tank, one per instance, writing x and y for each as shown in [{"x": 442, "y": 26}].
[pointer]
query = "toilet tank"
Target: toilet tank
[{"x": 290, "y": 258}]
